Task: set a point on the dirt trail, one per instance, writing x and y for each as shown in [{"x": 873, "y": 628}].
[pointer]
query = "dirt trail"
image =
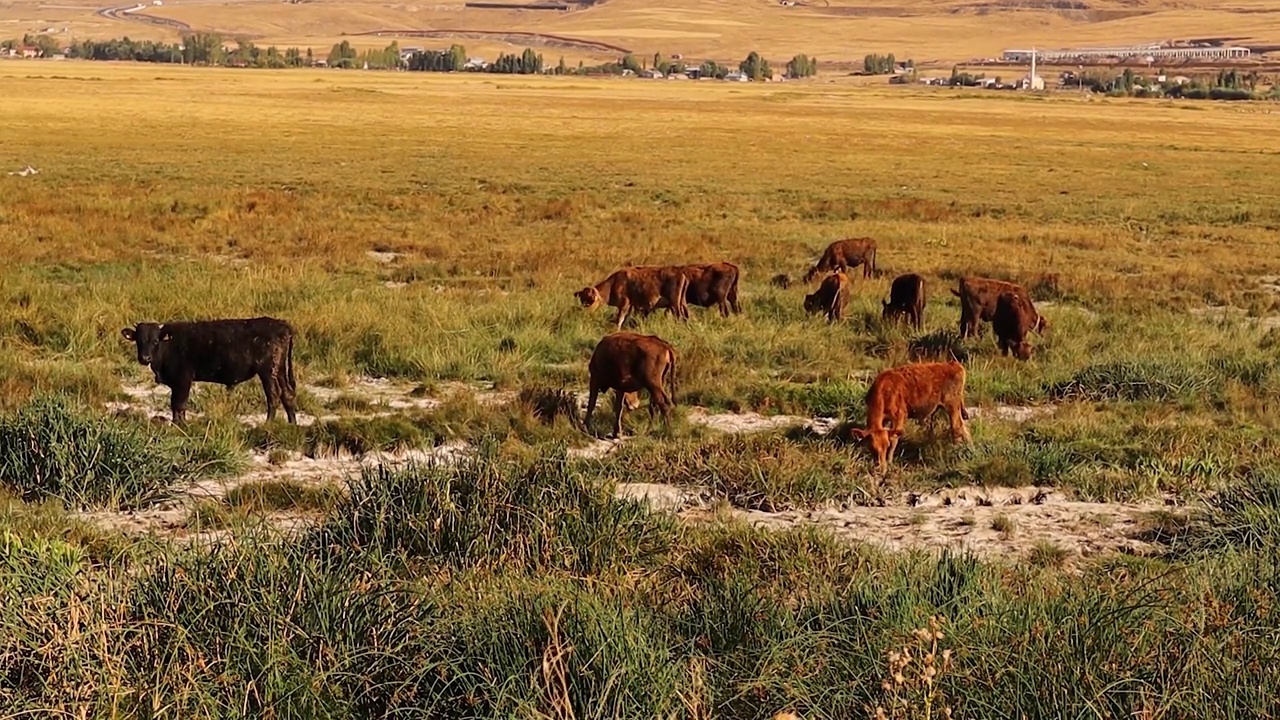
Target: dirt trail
[{"x": 988, "y": 521}]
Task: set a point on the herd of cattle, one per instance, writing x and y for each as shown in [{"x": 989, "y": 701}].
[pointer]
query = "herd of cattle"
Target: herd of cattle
[
  {"x": 230, "y": 352},
  {"x": 628, "y": 362}
]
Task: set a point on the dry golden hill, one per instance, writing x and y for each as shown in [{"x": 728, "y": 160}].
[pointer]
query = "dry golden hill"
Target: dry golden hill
[{"x": 927, "y": 30}]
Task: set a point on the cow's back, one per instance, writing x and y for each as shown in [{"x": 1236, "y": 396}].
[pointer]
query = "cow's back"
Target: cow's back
[
  {"x": 624, "y": 359},
  {"x": 925, "y": 385},
  {"x": 223, "y": 351}
]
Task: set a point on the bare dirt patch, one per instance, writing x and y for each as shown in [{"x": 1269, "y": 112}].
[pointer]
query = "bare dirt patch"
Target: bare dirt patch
[
  {"x": 171, "y": 516},
  {"x": 755, "y": 422},
  {"x": 986, "y": 521}
]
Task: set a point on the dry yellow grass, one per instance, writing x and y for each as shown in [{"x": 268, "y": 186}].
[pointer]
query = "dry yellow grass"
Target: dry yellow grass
[{"x": 942, "y": 31}]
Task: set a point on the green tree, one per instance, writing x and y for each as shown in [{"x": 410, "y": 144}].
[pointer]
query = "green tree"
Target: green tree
[
  {"x": 343, "y": 55},
  {"x": 561, "y": 68},
  {"x": 457, "y": 57},
  {"x": 713, "y": 69},
  {"x": 802, "y": 66},
  {"x": 630, "y": 62},
  {"x": 878, "y": 64},
  {"x": 45, "y": 45},
  {"x": 755, "y": 67}
]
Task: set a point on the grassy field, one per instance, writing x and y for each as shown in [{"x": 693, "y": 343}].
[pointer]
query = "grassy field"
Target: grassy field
[
  {"x": 425, "y": 236},
  {"x": 936, "y": 31}
]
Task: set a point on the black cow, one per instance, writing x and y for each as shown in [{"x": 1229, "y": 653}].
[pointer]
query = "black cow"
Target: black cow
[{"x": 227, "y": 352}]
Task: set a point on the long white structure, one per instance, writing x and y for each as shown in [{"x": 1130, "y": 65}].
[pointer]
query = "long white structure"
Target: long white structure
[{"x": 1153, "y": 50}]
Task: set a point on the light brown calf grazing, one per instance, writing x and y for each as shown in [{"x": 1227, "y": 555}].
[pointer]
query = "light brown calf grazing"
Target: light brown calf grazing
[
  {"x": 643, "y": 288},
  {"x": 914, "y": 391},
  {"x": 1014, "y": 318},
  {"x": 978, "y": 298},
  {"x": 626, "y": 363},
  {"x": 831, "y": 296},
  {"x": 845, "y": 254}
]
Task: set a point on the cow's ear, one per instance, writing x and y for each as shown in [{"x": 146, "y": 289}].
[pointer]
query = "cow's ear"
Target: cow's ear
[
  {"x": 858, "y": 433},
  {"x": 128, "y": 334}
]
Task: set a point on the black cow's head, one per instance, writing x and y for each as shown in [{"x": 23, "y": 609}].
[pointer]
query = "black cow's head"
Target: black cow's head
[{"x": 148, "y": 337}]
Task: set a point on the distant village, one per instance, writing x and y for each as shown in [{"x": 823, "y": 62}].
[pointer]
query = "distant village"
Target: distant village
[{"x": 1102, "y": 76}]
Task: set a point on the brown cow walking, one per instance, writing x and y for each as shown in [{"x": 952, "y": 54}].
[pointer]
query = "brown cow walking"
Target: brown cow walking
[
  {"x": 845, "y": 254},
  {"x": 626, "y": 363},
  {"x": 912, "y": 391},
  {"x": 642, "y": 288},
  {"x": 831, "y": 296},
  {"x": 978, "y": 298},
  {"x": 906, "y": 299}
]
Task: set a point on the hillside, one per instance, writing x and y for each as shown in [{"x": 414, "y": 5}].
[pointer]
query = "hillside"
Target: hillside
[{"x": 928, "y": 30}]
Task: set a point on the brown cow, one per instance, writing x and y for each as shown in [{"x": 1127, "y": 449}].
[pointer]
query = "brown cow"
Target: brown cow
[
  {"x": 644, "y": 288},
  {"x": 831, "y": 296},
  {"x": 713, "y": 284},
  {"x": 845, "y": 254},
  {"x": 1014, "y": 318},
  {"x": 912, "y": 391},
  {"x": 978, "y": 298},
  {"x": 906, "y": 299},
  {"x": 626, "y": 363}
]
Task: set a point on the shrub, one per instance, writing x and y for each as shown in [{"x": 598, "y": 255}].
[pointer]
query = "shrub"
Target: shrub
[{"x": 49, "y": 449}]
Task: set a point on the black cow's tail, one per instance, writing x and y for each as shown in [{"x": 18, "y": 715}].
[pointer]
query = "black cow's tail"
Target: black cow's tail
[{"x": 288, "y": 365}]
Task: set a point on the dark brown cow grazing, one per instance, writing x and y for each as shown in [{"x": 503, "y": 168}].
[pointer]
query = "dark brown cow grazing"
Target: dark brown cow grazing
[
  {"x": 1014, "y": 318},
  {"x": 845, "y": 254},
  {"x": 978, "y": 298},
  {"x": 643, "y": 288},
  {"x": 912, "y": 391},
  {"x": 831, "y": 296},
  {"x": 713, "y": 284},
  {"x": 227, "y": 352},
  {"x": 906, "y": 299},
  {"x": 626, "y": 363}
]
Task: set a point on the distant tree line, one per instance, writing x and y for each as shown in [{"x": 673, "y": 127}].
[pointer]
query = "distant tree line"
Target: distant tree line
[
  {"x": 342, "y": 55},
  {"x": 212, "y": 49},
  {"x": 451, "y": 60}
]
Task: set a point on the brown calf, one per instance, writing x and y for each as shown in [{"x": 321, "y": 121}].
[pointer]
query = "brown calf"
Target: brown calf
[
  {"x": 845, "y": 254},
  {"x": 643, "y": 288},
  {"x": 626, "y": 363},
  {"x": 978, "y": 298},
  {"x": 713, "y": 284},
  {"x": 906, "y": 299},
  {"x": 831, "y": 296},
  {"x": 912, "y": 391},
  {"x": 1014, "y": 318}
]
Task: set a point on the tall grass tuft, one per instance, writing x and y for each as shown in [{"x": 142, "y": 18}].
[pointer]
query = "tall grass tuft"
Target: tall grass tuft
[
  {"x": 538, "y": 515},
  {"x": 49, "y": 449},
  {"x": 1158, "y": 380}
]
